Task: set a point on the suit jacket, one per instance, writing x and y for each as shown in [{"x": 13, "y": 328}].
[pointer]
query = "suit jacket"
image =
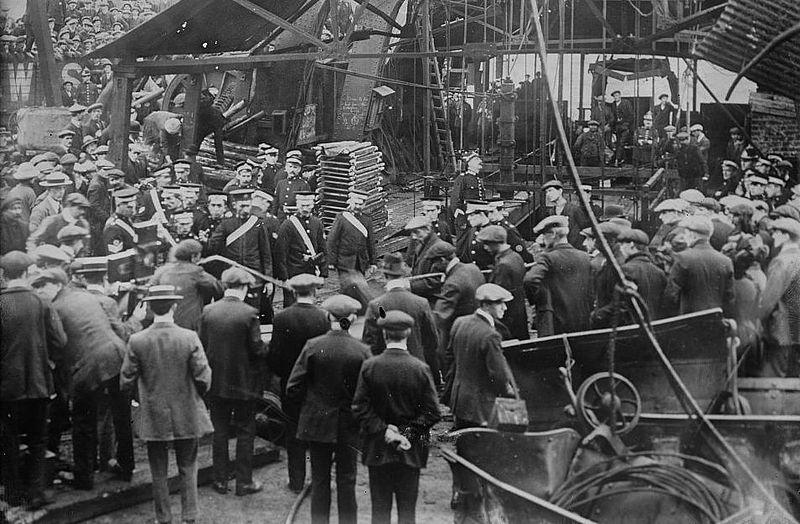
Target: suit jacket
[
  {"x": 457, "y": 297},
  {"x": 46, "y": 208},
  {"x": 509, "y": 273},
  {"x": 291, "y": 329},
  {"x": 324, "y": 380},
  {"x": 231, "y": 335},
  {"x": 32, "y": 336},
  {"x": 252, "y": 249},
  {"x": 424, "y": 339},
  {"x": 291, "y": 250},
  {"x": 578, "y": 220},
  {"x": 169, "y": 367},
  {"x": 701, "y": 278},
  {"x": 94, "y": 352},
  {"x": 197, "y": 287},
  {"x": 561, "y": 282},
  {"x": 395, "y": 388},
  {"x": 479, "y": 369},
  {"x": 347, "y": 247},
  {"x": 421, "y": 263},
  {"x": 780, "y": 301}
]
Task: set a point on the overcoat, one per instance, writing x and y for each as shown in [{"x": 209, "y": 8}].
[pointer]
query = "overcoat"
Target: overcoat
[
  {"x": 509, "y": 273},
  {"x": 195, "y": 285},
  {"x": 701, "y": 278}
]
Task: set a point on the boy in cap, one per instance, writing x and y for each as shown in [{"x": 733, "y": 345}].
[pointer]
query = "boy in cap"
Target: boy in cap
[
  {"x": 291, "y": 329},
  {"x": 351, "y": 248},
  {"x": 230, "y": 333},
  {"x": 323, "y": 382},
  {"x": 689, "y": 162},
  {"x": 395, "y": 405},
  {"x": 287, "y": 189},
  {"x": 32, "y": 335},
  {"x": 508, "y": 272},
  {"x": 168, "y": 365}
]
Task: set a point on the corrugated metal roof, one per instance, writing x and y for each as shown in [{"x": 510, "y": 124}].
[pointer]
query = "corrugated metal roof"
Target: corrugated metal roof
[
  {"x": 745, "y": 28},
  {"x": 197, "y": 27}
]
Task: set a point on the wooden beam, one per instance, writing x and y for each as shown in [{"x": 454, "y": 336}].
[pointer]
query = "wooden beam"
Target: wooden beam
[
  {"x": 120, "y": 113},
  {"x": 280, "y": 22},
  {"x": 689, "y": 21},
  {"x": 190, "y": 110},
  {"x": 386, "y": 18},
  {"x": 50, "y": 74}
]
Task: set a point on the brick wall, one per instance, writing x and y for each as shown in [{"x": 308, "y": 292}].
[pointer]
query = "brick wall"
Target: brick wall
[{"x": 774, "y": 125}]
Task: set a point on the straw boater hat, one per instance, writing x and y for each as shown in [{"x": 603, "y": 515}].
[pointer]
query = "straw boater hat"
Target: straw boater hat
[{"x": 162, "y": 292}]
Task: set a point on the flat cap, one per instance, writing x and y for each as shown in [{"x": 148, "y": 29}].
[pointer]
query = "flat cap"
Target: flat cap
[
  {"x": 76, "y": 200},
  {"x": 698, "y": 224},
  {"x": 495, "y": 234},
  {"x": 757, "y": 179},
  {"x": 593, "y": 122},
  {"x": 341, "y": 306},
  {"x": 787, "y": 225},
  {"x": 234, "y": 276},
  {"x": 89, "y": 265},
  {"x": 730, "y": 163},
  {"x": 305, "y": 281},
  {"x": 67, "y": 159},
  {"x": 25, "y": 171},
  {"x": 670, "y": 129},
  {"x": 492, "y": 293},
  {"x": 696, "y": 127},
  {"x": 764, "y": 162},
  {"x": 115, "y": 173},
  {"x": 76, "y": 108},
  {"x": 417, "y": 222},
  {"x": 612, "y": 211},
  {"x": 71, "y": 232},
  {"x": 551, "y": 222},
  {"x": 786, "y": 211},
  {"x": 104, "y": 163},
  {"x": 396, "y": 320},
  {"x": 50, "y": 252},
  {"x": 612, "y": 229},
  {"x": 742, "y": 207},
  {"x": 710, "y": 204},
  {"x": 776, "y": 181},
  {"x": 637, "y": 236},
  {"x": 162, "y": 292},
  {"x": 66, "y": 133},
  {"x": 470, "y": 155},
  {"x": 53, "y": 275},
  {"x": 672, "y": 204},
  {"x": 552, "y": 183},
  {"x": 693, "y": 196},
  {"x": 16, "y": 261},
  {"x": 441, "y": 250},
  {"x": 96, "y": 105}
]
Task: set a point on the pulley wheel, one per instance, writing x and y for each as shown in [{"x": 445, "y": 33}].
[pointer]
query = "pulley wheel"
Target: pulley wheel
[{"x": 613, "y": 402}]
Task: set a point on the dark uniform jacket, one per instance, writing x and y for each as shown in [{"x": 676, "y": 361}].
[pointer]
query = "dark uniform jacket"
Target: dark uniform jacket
[
  {"x": 31, "y": 336},
  {"x": 293, "y": 257},
  {"x": 231, "y": 335},
  {"x": 701, "y": 278},
  {"x": 87, "y": 93},
  {"x": 269, "y": 177},
  {"x": 284, "y": 194},
  {"x": 323, "y": 381},
  {"x": 117, "y": 236},
  {"x": 560, "y": 282},
  {"x": 94, "y": 352},
  {"x": 252, "y": 249},
  {"x": 470, "y": 249},
  {"x": 509, "y": 272},
  {"x": 422, "y": 342},
  {"x": 457, "y": 297},
  {"x": 466, "y": 186},
  {"x": 480, "y": 371},
  {"x": 348, "y": 248},
  {"x": 514, "y": 239},
  {"x": 197, "y": 287},
  {"x": 99, "y": 204},
  {"x": 395, "y": 388}
]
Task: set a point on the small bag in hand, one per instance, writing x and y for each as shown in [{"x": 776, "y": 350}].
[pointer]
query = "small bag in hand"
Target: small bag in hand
[{"x": 510, "y": 414}]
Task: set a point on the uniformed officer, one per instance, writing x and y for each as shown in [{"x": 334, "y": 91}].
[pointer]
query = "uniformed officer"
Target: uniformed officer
[
  {"x": 432, "y": 207},
  {"x": 269, "y": 168},
  {"x": 183, "y": 226},
  {"x": 87, "y": 92},
  {"x": 119, "y": 234},
  {"x": 301, "y": 244},
  {"x": 466, "y": 186},
  {"x": 182, "y": 167},
  {"x": 172, "y": 202},
  {"x": 244, "y": 178},
  {"x": 75, "y": 125},
  {"x": 351, "y": 248},
  {"x": 217, "y": 211},
  {"x": 260, "y": 205},
  {"x": 190, "y": 194},
  {"x": 498, "y": 216},
  {"x": 286, "y": 190},
  {"x": 468, "y": 247}
]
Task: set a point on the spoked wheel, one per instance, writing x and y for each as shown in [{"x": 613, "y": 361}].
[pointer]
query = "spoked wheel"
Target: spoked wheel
[{"x": 611, "y": 401}]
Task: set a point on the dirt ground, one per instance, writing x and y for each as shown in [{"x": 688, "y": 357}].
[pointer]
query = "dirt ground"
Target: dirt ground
[{"x": 274, "y": 503}]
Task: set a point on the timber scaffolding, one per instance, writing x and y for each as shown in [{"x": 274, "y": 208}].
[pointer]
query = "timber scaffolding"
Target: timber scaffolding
[{"x": 392, "y": 101}]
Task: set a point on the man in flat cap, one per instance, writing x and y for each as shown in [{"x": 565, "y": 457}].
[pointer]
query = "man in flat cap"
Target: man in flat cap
[
  {"x": 700, "y": 277},
  {"x": 24, "y": 174},
  {"x": 168, "y": 366},
  {"x": 477, "y": 366},
  {"x": 560, "y": 282},
  {"x": 287, "y": 189},
  {"x": 291, "y": 329},
  {"x": 351, "y": 248},
  {"x": 323, "y": 382},
  {"x": 72, "y": 240},
  {"x": 76, "y": 112},
  {"x": 780, "y": 302},
  {"x": 622, "y": 124},
  {"x": 301, "y": 244},
  {"x": 664, "y": 113},
  {"x": 422, "y": 262},
  {"x": 424, "y": 338},
  {"x": 731, "y": 178},
  {"x": 32, "y": 337},
  {"x": 556, "y": 205},
  {"x": 466, "y": 186},
  {"x": 73, "y": 212},
  {"x": 395, "y": 405},
  {"x": 230, "y": 333},
  {"x": 670, "y": 212},
  {"x": 95, "y": 127},
  {"x": 508, "y": 272},
  {"x": 13, "y": 229}
]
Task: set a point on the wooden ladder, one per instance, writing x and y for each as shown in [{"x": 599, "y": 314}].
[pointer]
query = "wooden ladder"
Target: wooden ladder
[{"x": 436, "y": 99}]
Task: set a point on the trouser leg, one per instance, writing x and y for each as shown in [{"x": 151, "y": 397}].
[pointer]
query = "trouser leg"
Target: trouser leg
[
  {"x": 36, "y": 429},
  {"x": 120, "y": 405},
  {"x": 59, "y": 423},
  {"x": 84, "y": 436},
  {"x": 106, "y": 443},
  {"x": 353, "y": 284},
  {"x": 157, "y": 457},
  {"x": 321, "y": 460},
  {"x": 220, "y": 419},
  {"x": 406, "y": 489},
  {"x": 380, "y": 493},
  {"x": 9, "y": 452},
  {"x": 266, "y": 311},
  {"x": 186, "y": 457},
  {"x": 346, "y": 467},
  {"x": 245, "y": 419}
]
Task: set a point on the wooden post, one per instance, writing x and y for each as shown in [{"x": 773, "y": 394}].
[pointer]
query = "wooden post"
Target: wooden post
[
  {"x": 426, "y": 109},
  {"x": 50, "y": 75},
  {"x": 580, "y": 87},
  {"x": 190, "y": 108},
  {"x": 120, "y": 113}
]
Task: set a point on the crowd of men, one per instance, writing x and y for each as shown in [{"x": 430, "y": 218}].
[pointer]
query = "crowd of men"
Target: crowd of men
[{"x": 467, "y": 282}]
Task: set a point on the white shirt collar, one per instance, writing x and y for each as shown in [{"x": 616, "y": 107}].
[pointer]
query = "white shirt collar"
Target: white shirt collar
[
  {"x": 397, "y": 345},
  {"x": 489, "y": 318}
]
